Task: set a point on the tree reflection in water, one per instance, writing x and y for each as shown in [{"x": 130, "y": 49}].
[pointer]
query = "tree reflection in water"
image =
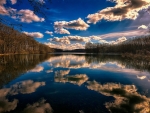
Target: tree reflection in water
[{"x": 12, "y": 66}]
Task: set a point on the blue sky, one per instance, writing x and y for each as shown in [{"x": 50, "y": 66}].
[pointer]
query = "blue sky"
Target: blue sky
[{"x": 72, "y": 23}]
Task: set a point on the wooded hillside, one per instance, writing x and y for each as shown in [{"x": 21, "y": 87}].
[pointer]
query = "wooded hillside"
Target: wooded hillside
[
  {"x": 14, "y": 42},
  {"x": 138, "y": 45}
]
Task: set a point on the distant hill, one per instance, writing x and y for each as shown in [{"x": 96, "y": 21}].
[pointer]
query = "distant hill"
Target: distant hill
[
  {"x": 75, "y": 50},
  {"x": 15, "y": 42}
]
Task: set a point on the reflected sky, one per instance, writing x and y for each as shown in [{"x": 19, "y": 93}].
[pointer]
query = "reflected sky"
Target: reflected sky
[{"x": 75, "y": 84}]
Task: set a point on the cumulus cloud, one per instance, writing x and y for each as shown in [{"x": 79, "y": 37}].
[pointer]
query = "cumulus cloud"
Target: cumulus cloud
[
  {"x": 78, "y": 24},
  {"x": 95, "y": 37},
  {"x": 61, "y": 40},
  {"x": 71, "y": 42},
  {"x": 66, "y": 46},
  {"x": 78, "y": 42},
  {"x": 2, "y": 2},
  {"x": 119, "y": 40},
  {"x": 68, "y": 39},
  {"x": 28, "y": 16},
  {"x": 143, "y": 27},
  {"x": 61, "y": 31},
  {"x": 49, "y": 32},
  {"x": 124, "y": 9},
  {"x": 24, "y": 15},
  {"x": 34, "y": 34},
  {"x": 3, "y": 10},
  {"x": 38, "y": 107},
  {"x": 68, "y": 42},
  {"x": 13, "y": 1}
]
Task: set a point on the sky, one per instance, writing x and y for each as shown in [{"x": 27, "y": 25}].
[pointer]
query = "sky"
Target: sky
[{"x": 70, "y": 24}]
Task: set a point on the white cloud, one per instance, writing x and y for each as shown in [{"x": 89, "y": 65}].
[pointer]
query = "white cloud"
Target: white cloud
[
  {"x": 28, "y": 16},
  {"x": 71, "y": 38},
  {"x": 143, "y": 27},
  {"x": 78, "y": 42},
  {"x": 66, "y": 46},
  {"x": 3, "y": 10},
  {"x": 127, "y": 34},
  {"x": 49, "y": 32},
  {"x": 119, "y": 40},
  {"x": 95, "y": 37},
  {"x": 61, "y": 31},
  {"x": 34, "y": 34},
  {"x": 13, "y": 1},
  {"x": 2, "y": 2},
  {"x": 24, "y": 15},
  {"x": 78, "y": 24},
  {"x": 124, "y": 9}
]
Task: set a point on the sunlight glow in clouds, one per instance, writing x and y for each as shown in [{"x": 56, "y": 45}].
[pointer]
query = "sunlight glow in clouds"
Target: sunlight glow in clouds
[
  {"x": 24, "y": 15},
  {"x": 124, "y": 9},
  {"x": 61, "y": 31},
  {"x": 34, "y": 34},
  {"x": 49, "y": 32},
  {"x": 143, "y": 27},
  {"x": 78, "y": 24},
  {"x": 13, "y": 1},
  {"x": 78, "y": 42},
  {"x": 29, "y": 16}
]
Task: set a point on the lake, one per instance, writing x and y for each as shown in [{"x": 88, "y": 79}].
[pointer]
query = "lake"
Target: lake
[{"x": 73, "y": 83}]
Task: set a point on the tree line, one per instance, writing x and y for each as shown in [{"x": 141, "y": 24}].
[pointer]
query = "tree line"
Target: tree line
[
  {"x": 137, "y": 45},
  {"x": 15, "y": 42}
]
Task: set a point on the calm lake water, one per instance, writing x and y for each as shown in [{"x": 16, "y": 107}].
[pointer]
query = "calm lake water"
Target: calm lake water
[{"x": 73, "y": 83}]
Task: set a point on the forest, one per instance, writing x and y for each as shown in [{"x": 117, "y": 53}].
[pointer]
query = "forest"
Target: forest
[
  {"x": 15, "y": 42},
  {"x": 137, "y": 45}
]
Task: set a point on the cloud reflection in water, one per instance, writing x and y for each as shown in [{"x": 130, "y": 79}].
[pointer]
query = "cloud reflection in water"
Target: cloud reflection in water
[
  {"x": 23, "y": 87},
  {"x": 127, "y": 99},
  {"x": 62, "y": 76}
]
